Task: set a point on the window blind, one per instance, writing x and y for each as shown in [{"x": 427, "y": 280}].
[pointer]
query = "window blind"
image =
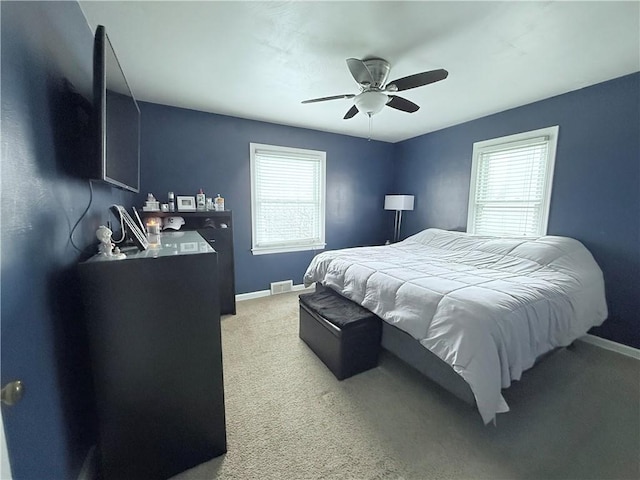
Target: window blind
[
  {"x": 511, "y": 184},
  {"x": 288, "y": 200}
]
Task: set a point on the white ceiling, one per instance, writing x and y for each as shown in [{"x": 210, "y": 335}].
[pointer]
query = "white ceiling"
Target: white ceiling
[{"x": 259, "y": 60}]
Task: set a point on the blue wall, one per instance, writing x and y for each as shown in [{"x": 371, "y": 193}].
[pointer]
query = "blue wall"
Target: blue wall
[
  {"x": 184, "y": 150},
  {"x": 596, "y": 186},
  {"x": 43, "y": 339}
]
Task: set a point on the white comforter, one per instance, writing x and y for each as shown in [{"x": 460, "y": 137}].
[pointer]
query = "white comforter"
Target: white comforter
[{"x": 487, "y": 306}]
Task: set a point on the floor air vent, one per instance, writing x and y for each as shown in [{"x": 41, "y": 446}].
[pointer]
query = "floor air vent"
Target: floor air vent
[{"x": 281, "y": 287}]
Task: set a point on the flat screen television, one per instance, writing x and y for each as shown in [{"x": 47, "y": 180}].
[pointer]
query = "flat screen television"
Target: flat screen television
[{"x": 116, "y": 119}]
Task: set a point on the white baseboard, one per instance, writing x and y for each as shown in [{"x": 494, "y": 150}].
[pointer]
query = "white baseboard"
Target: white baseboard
[
  {"x": 89, "y": 467},
  {"x": 611, "y": 345},
  {"x": 266, "y": 293}
]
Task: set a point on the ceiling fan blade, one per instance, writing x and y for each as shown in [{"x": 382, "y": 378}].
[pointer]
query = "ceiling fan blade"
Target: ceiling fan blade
[
  {"x": 419, "y": 79},
  {"x": 351, "y": 113},
  {"x": 360, "y": 72},
  {"x": 335, "y": 97},
  {"x": 403, "y": 104}
]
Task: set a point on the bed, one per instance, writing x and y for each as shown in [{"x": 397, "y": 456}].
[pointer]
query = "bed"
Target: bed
[{"x": 469, "y": 311}]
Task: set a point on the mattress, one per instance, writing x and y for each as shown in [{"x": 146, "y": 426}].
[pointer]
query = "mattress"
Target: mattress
[{"x": 486, "y": 306}]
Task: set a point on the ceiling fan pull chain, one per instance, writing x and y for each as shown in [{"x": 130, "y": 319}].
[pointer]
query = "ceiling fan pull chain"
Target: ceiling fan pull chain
[{"x": 370, "y": 119}]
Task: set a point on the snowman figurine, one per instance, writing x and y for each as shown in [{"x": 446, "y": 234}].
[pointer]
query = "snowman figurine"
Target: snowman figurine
[{"x": 107, "y": 248}]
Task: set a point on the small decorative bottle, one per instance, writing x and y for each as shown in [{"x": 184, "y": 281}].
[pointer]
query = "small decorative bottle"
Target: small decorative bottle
[
  {"x": 219, "y": 203},
  {"x": 201, "y": 200}
]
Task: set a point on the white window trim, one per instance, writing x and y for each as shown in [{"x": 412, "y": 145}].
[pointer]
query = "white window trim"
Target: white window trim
[
  {"x": 511, "y": 141},
  {"x": 322, "y": 156}
]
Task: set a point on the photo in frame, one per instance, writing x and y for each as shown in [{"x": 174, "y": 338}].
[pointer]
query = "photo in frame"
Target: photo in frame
[{"x": 186, "y": 203}]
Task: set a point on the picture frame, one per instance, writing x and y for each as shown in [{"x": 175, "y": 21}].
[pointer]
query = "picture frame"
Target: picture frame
[{"x": 185, "y": 203}]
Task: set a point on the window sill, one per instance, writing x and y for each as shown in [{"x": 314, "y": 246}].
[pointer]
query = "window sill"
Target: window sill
[{"x": 301, "y": 248}]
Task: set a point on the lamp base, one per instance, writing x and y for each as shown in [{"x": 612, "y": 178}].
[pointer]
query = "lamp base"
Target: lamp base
[{"x": 396, "y": 226}]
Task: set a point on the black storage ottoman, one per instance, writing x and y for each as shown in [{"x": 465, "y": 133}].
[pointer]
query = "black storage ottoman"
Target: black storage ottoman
[{"x": 344, "y": 335}]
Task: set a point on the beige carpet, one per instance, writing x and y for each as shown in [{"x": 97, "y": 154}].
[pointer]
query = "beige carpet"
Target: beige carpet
[{"x": 575, "y": 415}]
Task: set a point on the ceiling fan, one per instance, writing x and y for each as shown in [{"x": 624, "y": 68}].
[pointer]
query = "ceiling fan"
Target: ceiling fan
[{"x": 375, "y": 92}]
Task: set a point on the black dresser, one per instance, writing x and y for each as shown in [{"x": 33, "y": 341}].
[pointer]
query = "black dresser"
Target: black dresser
[{"x": 154, "y": 330}]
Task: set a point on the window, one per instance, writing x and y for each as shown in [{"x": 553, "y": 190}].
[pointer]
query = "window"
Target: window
[
  {"x": 511, "y": 181},
  {"x": 287, "y": 199}
]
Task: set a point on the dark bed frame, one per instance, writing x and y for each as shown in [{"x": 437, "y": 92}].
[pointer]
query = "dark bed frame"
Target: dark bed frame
[{"x": 410, "y": 351}]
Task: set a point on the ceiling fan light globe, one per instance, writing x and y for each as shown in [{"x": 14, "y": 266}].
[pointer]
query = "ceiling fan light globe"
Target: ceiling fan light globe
[{"x": 371, "y": 102}]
